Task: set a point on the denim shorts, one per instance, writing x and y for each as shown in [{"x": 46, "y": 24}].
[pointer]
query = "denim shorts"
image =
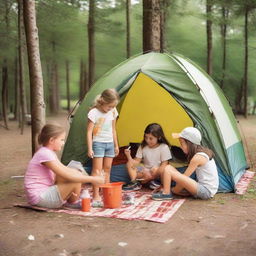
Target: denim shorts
[
  {"x": 51, "y": 198},
  {"x": 103, "y": 149},
  {"x": 202, "y": 192}
]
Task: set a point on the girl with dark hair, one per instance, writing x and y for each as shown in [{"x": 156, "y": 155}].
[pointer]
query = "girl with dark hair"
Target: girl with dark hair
[{"x": 154, "y": 153}]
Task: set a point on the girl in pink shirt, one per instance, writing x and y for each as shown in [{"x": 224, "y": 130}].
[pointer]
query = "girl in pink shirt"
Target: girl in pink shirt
[{"x": 49, "y": 183}]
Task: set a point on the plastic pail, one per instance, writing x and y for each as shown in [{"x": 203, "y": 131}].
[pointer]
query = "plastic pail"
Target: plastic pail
[{"x": 112, "y": 194}]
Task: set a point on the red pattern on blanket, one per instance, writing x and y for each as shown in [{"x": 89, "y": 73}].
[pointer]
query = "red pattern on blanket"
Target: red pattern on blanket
[{"x": 144, "y": 209}]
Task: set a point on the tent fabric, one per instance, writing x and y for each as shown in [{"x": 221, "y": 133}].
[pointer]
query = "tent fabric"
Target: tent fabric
[{"x": 161, "y": 78}]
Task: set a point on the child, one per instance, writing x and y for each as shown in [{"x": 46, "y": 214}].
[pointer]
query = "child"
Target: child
[
  {"x": 101, "y": 137},
  {"x": 154, "y": 151},
  {"x": 48, "y": 183},
  {"x": 200, "y": 161}
]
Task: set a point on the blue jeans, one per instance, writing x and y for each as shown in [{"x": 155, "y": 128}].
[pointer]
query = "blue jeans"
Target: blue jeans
[{"x": 103, "y": 149}]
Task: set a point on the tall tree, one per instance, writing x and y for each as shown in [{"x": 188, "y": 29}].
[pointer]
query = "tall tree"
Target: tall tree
[
  {"x": 54, "y": 97},
  {"x": 209, "y": 35},
  {"x": 35, "y": 72},
  {"x": 151, "y": 25},
  {"x": 81, "y": 81},
  {"x": 21, "y": 38},
  {"x": 164, "y": 15},
  {"x": 68, "y": 84},
  {"x": 5, "y": 93},
  {"x": 225, "y": 14},
  {"x": 5, "y": 76},
  {"x": 245, "y": 80},
  {"x": 91, "y": 42},
  {"x": 128, "y": 30}
]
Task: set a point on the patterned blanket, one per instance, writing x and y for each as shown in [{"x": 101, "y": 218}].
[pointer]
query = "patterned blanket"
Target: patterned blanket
[
  {"x": 144, "y": 208},
  {"x": 244, "y": 182}
]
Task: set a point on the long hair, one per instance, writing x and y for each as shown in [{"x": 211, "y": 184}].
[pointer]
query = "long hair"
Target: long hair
[
  {"x": 106, "y": 97},
  {"x": 157, "y": 131},
  {"x": 49, "y": 131},
  {"x": 193, "y": 149}
]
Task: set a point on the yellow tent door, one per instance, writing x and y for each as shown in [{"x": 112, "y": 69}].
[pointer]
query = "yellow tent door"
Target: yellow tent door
[{"x": 147, "y": 102}]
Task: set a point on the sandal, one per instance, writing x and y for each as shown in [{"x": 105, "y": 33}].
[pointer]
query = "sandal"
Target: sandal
[{"x": 97, "y": 204}]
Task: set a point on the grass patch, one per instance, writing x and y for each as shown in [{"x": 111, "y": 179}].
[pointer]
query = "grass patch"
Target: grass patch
[
  {"x": 221, "y": 201},
  {"x": 251, "y": 191}
]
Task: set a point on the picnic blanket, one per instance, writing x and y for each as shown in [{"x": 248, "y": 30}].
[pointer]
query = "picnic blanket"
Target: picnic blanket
[
  {"x": 144, "y": 208},
  {"x": 244, "y": 182}
]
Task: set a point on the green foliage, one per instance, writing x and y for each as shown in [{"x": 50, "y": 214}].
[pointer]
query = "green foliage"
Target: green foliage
[{"x": 63, "y": 24}]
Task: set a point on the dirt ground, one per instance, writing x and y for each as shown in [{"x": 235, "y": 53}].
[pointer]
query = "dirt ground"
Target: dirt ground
[{"x": 225, "y": 225}]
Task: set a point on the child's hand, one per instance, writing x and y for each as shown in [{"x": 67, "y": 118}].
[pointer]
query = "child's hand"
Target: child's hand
[
  {"x": 116, "y": 151},
  {"x": 98, "y": 180},
  {"x": 127, "y": 152},
  {"x": 147, "y": 176},
  {"x": 90, "y": 153}
]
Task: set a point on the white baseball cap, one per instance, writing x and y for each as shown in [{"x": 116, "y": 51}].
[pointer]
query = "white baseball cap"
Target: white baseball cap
[{"x": 190, "y": 133}]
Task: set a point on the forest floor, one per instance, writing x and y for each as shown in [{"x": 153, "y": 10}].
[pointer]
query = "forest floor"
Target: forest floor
[{"x": 225, "y": 225}]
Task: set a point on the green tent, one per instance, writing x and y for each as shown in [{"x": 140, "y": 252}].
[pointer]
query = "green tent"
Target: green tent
[{"x": 173, "y": 91}]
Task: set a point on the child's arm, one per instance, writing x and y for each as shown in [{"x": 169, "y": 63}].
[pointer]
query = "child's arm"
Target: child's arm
[
  {"x": 196, "y": 161},
  {"x": 115, "y": 137},
  {"x": 71, "y": 174},
  {"x": 90, "y": 126},
  {"x": 134, "y": 161}
]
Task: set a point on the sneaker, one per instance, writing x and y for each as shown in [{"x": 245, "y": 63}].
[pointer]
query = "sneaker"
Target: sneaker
[
  {"x": 76, "y": 205},
  {"x": 97, "y": 204},
  {"x": 133, "y": 185},
  {"x": 160, "y": 196},
  {"x": 154, "y": 184}
]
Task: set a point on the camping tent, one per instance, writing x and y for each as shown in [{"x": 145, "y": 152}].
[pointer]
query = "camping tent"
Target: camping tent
[{"x": 173, "y": 91}]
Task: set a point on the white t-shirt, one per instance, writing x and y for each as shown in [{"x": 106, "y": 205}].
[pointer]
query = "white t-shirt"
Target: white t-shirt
[
  {"x": 153, "y": 157},
  {"x": 207, "y": 174},
  {"x": 102, "y": 130}
]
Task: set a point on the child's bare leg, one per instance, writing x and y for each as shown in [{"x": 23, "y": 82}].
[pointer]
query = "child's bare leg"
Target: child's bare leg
[
  {"x": 107, "y": 163},
  {"x": 69, "y": 191},
  {"x": 167, "y": 179},
  {"x": 183, "y": 181},
  {"x": 97, "y": 164},
  {"x": 155, "y": 172},
  {"x": 132, "y": 171}
]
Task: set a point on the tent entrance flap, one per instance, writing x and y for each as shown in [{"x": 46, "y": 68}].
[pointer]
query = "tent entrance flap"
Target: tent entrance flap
[{"x": 147, "y": 102}]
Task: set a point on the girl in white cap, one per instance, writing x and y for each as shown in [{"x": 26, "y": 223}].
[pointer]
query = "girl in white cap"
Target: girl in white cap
[{"x": 200, "y": 161}]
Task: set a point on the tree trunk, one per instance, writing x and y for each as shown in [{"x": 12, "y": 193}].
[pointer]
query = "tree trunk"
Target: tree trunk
[
  {"x": 5, "y": 68},
  {"x": 85, "y": 79},
  {"x": 81, "y": 81},
  {"x": 151, "y": 25},
  {"x": 54, "y": 98},
  {"x": 209, "y": 35},
  {"x": 57, "y": 90},
  {"x": 128, "y": 31},
  {"x": 245, "y": 87},
  {"x": 35, "y": 72},
  {"x": 91, "y": 42},
  {"x": 16, "y": 91},
  {"x": 225, "y": 13},
  {"x": 21, "y": 35},
  {"x": 68, "y": 85},
  {"x": 47, "y": 84},
  {"x": 5, "y": 93},
  {"x": 164, "y": 13}
]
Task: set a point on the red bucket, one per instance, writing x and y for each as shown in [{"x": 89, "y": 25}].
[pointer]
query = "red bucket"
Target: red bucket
[{"x": 112, "y": 194}]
